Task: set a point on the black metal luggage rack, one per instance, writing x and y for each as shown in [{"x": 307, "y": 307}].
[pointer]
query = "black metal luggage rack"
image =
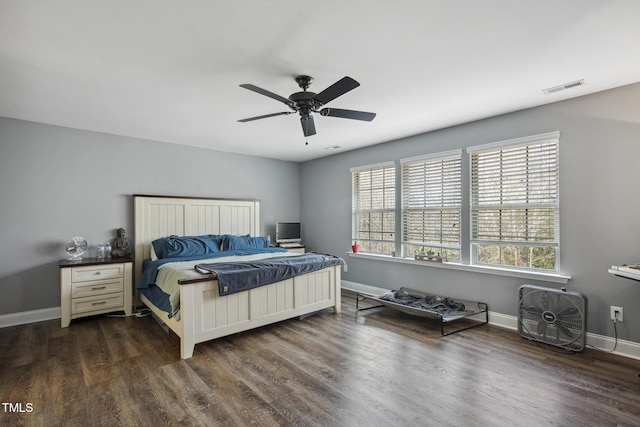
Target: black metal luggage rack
[{"x": 472, "y": 308}]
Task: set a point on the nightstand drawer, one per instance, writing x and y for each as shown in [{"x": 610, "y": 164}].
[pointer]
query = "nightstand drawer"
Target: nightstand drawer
[
  {"x": 85, "y": 274},
  {"x": 89, "y": 304},
  {"x": 296, "y": 250},
  {"x": 97, "y": 287}
]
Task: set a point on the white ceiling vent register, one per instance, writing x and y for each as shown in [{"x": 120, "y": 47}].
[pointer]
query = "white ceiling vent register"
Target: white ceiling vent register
[
  {"x": 562, "y": 87},
  {"x": 552, "y": 316}
]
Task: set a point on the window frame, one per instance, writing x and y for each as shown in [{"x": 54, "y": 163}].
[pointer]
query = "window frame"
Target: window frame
[
  {"x": 431, "y": 187},
  {"x": 366, "y": 244},
  {"x": 515, "y": 146}
]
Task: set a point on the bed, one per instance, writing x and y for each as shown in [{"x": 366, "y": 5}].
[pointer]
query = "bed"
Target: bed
[
  {"x": 205, "y": 314},
  {"x": 444, "y": 310}
]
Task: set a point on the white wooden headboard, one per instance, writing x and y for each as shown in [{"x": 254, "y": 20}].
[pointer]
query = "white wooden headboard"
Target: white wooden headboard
[{"x": 160, "y": 216}]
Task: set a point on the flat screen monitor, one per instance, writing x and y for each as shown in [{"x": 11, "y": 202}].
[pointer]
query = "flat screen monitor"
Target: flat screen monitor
[{"x": 288, "y": 232}]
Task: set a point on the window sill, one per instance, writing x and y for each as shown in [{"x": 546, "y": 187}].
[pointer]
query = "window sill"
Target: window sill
[{"x": 547, "y": 277}]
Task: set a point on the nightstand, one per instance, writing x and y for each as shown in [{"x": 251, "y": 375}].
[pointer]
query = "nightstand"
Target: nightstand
[
  {"x": 89, "y": 287},
  {"x": 298, "y": 249}
]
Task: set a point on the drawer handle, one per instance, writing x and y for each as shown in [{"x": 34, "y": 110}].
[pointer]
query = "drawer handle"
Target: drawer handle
[
  {"x": 99, "y": 303},
  {"x": 98, "y": 287},
  {"x": 97, "y": 273}
]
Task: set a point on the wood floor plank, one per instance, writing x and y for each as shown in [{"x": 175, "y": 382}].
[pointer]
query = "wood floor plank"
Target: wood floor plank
[{"x": 235, "y": 399}]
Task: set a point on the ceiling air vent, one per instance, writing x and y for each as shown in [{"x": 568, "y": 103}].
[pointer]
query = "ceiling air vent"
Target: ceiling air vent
[{"x": 565, "y": 86}]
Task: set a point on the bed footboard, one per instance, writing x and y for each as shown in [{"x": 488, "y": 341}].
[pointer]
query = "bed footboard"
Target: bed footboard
[{"x": 205, "y": 315}]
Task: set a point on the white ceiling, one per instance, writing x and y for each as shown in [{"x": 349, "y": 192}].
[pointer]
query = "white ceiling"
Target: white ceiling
[{"x": 169, "y": 70}]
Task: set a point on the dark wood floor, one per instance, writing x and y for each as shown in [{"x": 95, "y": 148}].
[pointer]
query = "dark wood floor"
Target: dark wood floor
[{"x": 379, "y": 368}]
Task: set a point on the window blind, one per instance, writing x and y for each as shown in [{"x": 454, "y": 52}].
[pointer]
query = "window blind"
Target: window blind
[
  {"x": 431, "y": 201},
  {"x": 515, "y": 202},
  {"x": 373, "y": 207}
]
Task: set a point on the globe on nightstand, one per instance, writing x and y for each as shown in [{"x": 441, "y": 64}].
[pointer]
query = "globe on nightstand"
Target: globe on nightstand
[{"x": 76, "y": 247}]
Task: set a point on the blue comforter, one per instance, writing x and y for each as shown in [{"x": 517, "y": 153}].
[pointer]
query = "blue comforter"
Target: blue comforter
[
  {"x": 150, "y": 268},
  {"x": 236, "y": 277}
]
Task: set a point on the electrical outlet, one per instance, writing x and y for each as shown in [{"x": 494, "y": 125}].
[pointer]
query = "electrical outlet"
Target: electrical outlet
[{"x": 616, "y": 313}]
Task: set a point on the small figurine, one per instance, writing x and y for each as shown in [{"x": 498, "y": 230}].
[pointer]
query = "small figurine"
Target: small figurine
[{"x": 120, "y": 247}]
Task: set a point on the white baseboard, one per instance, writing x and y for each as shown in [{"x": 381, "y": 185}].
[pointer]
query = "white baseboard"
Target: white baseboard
[
  {"x": 597, "y": 342},
  {"x": 32, "y": 316},
  {"x": 360, "y": 287},
  {"x": 503, "y": 320},
  {"x": 622, "y": 348}
]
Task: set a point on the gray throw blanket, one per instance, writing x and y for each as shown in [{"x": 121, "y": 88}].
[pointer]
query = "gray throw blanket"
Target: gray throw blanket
[
  {"x": 445, "y": 306},
  {"x": 236, "y": 277}
]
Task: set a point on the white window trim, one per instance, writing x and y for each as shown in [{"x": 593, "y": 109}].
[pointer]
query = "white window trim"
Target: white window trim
[
  {"x": 552, "y": 277},
  {"x": 372, "y": 166},
  {"x": 513, "y": 142},
  {"x": 443, "y": 155}
]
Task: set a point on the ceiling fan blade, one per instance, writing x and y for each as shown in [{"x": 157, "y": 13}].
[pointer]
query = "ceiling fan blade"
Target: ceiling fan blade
[
  {"x": 265, "y": 116},
  {"x": 348, "y": 114},
  {"x": 308, "y": 125},
  {"x": 266, "y": 93},
  {"x": 337, "y": 89}
]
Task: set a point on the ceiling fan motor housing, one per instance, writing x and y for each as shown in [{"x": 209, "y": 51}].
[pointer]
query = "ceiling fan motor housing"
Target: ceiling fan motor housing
[{"x": 304, "y": 102}]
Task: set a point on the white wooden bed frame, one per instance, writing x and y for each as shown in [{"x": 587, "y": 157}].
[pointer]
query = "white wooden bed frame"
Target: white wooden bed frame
[{"x": 204, "y": 314}]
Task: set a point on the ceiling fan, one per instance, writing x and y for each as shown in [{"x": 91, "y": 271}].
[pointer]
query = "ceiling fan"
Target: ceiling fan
[{"x": 306, "y": 103}]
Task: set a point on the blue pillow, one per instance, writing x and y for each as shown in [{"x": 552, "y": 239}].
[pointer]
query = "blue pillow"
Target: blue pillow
[
  {"x": 183, "y": 246},
  {"x": 231, "y": 243},
  {"x": 225, "y": 240}
]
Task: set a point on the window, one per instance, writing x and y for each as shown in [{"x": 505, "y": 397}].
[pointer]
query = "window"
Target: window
[
  {"x": 373, "y": 207},
  {"x": 431, "y": 201},
  {"x": 510, "y": 222},
  {"x": 514, "y": 203}
]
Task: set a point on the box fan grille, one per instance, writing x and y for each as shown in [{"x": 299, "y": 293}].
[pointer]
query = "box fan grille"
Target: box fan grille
[{"x": 552, "y": 316}]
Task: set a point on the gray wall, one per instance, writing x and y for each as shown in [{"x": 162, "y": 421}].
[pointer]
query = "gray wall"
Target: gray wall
[
  {"x": 56, "y": 183},
  {"x": 599, "y": 178}
]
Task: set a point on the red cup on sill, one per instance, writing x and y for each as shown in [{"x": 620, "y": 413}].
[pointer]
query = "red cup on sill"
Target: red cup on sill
[{"x": 354, "y": 248}]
